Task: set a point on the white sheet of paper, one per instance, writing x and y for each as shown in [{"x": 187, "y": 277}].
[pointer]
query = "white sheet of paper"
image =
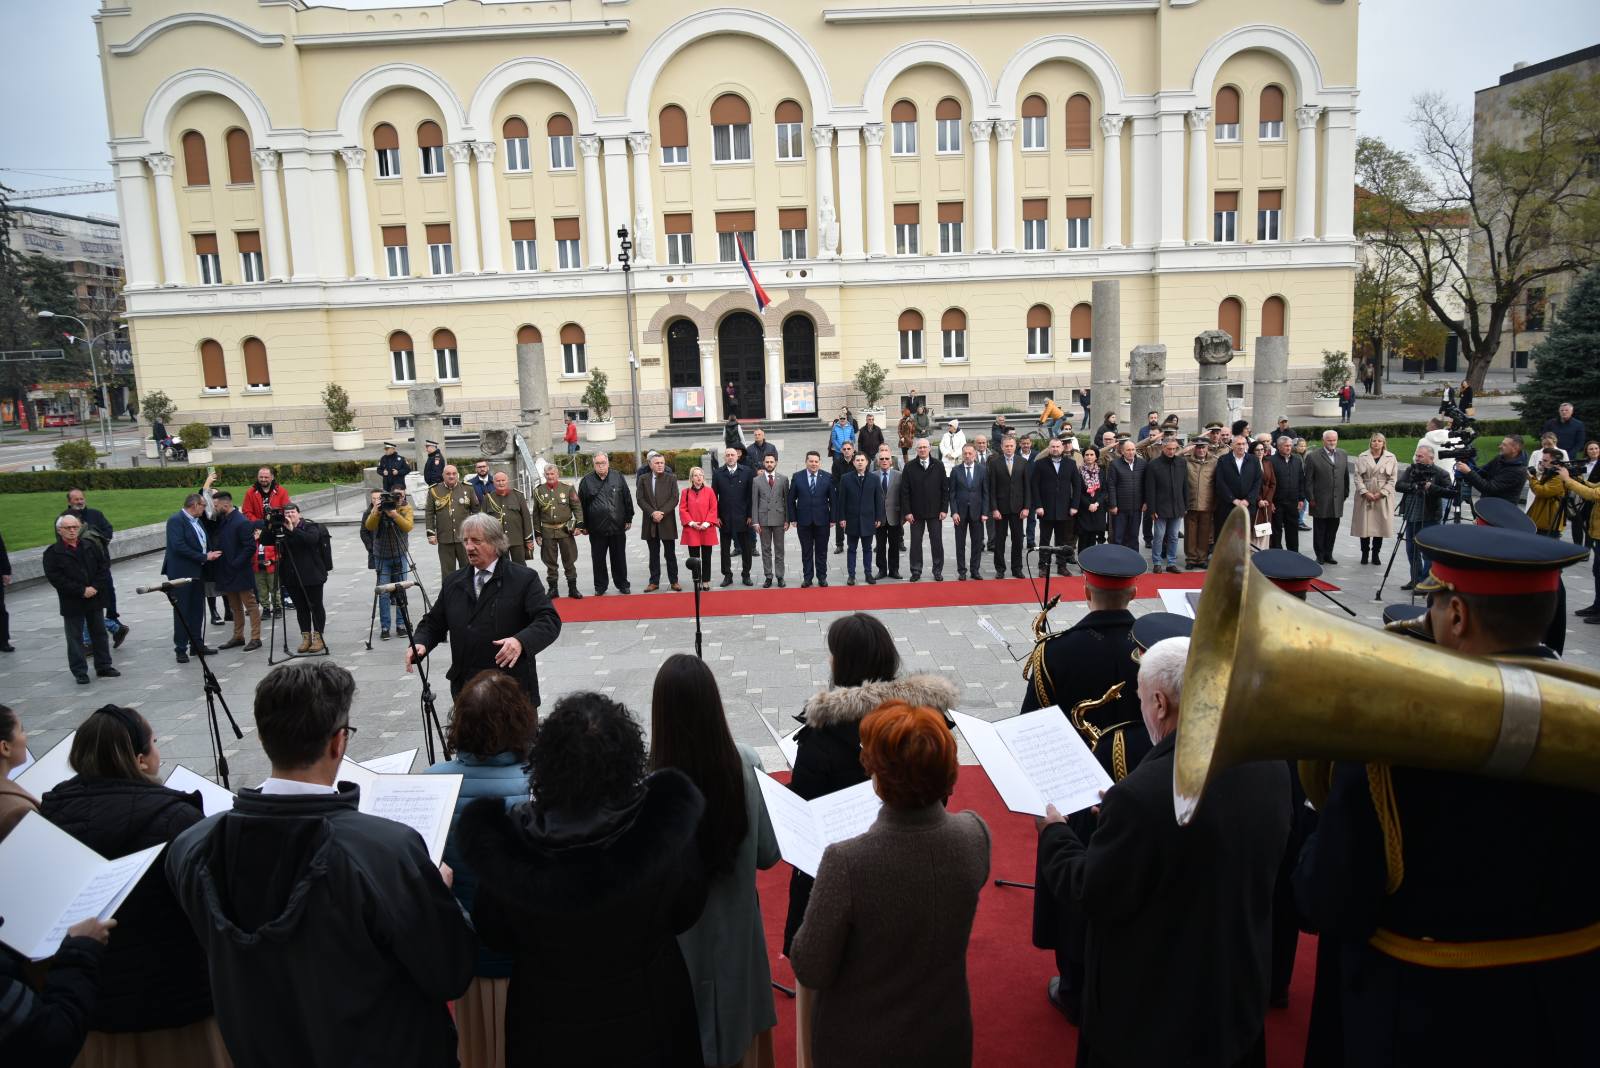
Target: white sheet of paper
[
  {"x": 50, "y": 770},
  {"x": 424, "y": 803},
  {"x": 27, "y": 762},
  {"x": 994, "y": 632},
  {"x": 805, "y": 828},
  {"x": 1177, "y": 602},
  {"x": 1014, "y": 787},
  {"x": 785, "y": 742},
  {"x": 350, "y": 771},
  {"x": 49, "y": 881},
  {"x": 393, "y": 764},
  {"x": 1052, "y": 755},
  {"x": 214, "y": 798}
]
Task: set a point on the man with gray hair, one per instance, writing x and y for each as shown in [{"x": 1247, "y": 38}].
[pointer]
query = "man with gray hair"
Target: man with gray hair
[
  {"x": 1327, "y": 488},
  {"x": 496, "y": 614},
  {"x": 1178, "y": 916},
  {"x": 74, "y": 566}
]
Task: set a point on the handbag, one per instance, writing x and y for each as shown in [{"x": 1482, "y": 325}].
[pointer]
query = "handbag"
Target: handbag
[{"x": 1263, "y": 530}]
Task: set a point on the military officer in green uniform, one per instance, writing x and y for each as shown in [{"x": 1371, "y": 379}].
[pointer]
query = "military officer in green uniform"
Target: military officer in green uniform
[
  {"x": 556, "y": 514},
  {"x": 449, "y": 503},
  {"x": 511, "y": 508}
]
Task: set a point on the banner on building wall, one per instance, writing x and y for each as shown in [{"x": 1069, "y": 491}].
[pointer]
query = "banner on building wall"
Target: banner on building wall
[
  {"x": 688, "y": 402},
  {"x": 799, "y": 398},
  {"x": 60, "y": 246}
]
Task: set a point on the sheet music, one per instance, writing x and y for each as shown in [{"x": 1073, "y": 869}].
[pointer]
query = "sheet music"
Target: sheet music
[
  {"x": 424, "y": 803},
  {"x": 1177, "y": 602},
  {"x": 1055, "y": 759},
  {"x": 1014, "y": 788},
  {"x": 104, "y": 892},
  {"x": 50, "y": 770},
  {"x": 393, "y": 764},
  {"x": 350, "y": 771},
  {"x": 785, "y": 742},
  {"x": 847, "y": 813},
  {"x": 213, "y": 798},
  {"x": 805, "y": 828},
  {"x": 27, "y": 762}
]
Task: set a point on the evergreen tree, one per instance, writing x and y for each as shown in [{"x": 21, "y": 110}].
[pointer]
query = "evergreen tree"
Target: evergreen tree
[{"x": 1566, "y": 365}]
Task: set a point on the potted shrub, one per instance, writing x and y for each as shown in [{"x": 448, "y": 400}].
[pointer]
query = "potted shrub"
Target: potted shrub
[
  {"x": 600, "y": 426},
  {"x": 157, "y": 408},
  {"x": 196, "y": 437},
  {"x": 342, "y": 419},
  {"x": 870, "y": 379},
  {"x": 1335, "y": 372}
]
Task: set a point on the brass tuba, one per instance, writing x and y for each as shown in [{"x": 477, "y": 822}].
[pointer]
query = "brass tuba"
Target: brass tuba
[{"x": 1270, "y": 678}]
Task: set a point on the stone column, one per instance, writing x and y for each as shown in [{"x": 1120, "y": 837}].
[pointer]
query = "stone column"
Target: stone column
[
  {"x": 1305, "y": 174},
  {"x": 774, "y": 346},
  {"x": 594, "y": 204},
  {"x": 822, "y": 143},
  {"x": 1169, "y": 187},
  {"x": 877, "y": 229},
  {"x": 1212, "y": 351},
  {"x": 466, "y": 232},
  {"x": 1147, "y": 368},
  {"x": 850, "y": 247},
  {"x": 138, "y": 229},
  {"x": 1339, "y": 175},
  {"x": 1105, "y": 348},
  {"x": 1199, "y": 182},
  {"x": 982, "y": 192},
  {"x": 533, "y": 397},
  {"x": 644, "y": 211},
  {"x": 427, "y": 421},
  {"x": 301, "y": 209},
  {"x": 619, "y": 213},
  {"x": 276, "y": 238},
  {"x": 1005, "y": 194},
  {"x": 1270, "y": 400},
  {"x": 330, "y": 224},
  {"x": 708, "y": 378},
  {"x": 488, "y": 208},
  {"x": 172, "y": 271},
  {"x": 1111, "y": 182},
  {"x": 355, "y": 184}
]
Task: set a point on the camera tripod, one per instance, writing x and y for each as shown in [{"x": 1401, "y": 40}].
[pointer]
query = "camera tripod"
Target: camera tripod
[
  {"x": 385, "y": 524},
  {"x": 430, "y": 712}
]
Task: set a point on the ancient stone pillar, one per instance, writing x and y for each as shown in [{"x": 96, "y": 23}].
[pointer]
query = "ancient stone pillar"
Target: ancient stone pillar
[
  {"x": 427, "y": 422},
  {"x": 1105, "y": 351},
  {"x": 533, "y": 396},
  {"x": 1148, "y": 372},
  {"x": 1212, "y": 351},
  {"x": 1271, "y": 399}
]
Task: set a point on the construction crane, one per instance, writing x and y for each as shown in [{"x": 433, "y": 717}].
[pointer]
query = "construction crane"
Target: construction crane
[{"x": 64, "y": 191}]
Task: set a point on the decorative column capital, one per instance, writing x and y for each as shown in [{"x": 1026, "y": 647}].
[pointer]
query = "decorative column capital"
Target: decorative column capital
[
  {"x": 267, "y": 158},
  {"x": 1111, "y": 125},
  {"x": 980, "y": 129},
  {"x": 460, "y": 151},
  {"x": 1198, "y": 119},
  {"x": 589, "y": 145},
  {"x": 354, "y": 156},
  {"x": 1005, "y": 129},
  {"x": 160, "y": 164},
  {"x": 872, "y": 133},
  {"x": 639, "y": 142},
  {"x": 483, "y": 151},
  {"x": 822, "y": 136},
  {"x": 1306, "y": 118}
]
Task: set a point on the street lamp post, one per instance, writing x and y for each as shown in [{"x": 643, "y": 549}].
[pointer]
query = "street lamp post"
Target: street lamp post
[
  {"x": 94, "y": 369},
  {"x": 625, "y": 246}
]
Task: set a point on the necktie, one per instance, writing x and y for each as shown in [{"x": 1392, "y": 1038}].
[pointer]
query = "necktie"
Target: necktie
[
  {"x": 771, "y": 482},
  {"x": 886, "y": 482},
  {"x": 813, "y": 482},
  {"x": 477, "y": 585},
  {"x": 969, "y": 472}
]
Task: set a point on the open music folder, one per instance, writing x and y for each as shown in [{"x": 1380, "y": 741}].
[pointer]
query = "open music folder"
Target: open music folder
[
  {"x": 49, "y": 771},
  {"x": 1036, "y": 759},
  {"x": 805, "y": 828}
]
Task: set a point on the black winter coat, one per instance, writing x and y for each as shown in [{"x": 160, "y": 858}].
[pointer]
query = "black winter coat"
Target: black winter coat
[
  {"x": 868, "y": 439},
  {"x": 513, "y": 604},
  {"x": 1008, "y": 492},
  {"x": 924, "y": 493},
  {"x": 1166, "y": 486},
  {"x": 1056, "y": 492},
  {"x": 46, "y": 1028},
  {"x": 1124, "y": 486},
  {"x": 71, "y": 571},
  {"x": 607, "y": 505},
  {"x": 1506, "y": 479},
  {"x": 154, "y": 972},
  {"x": 299, "y": 555},
  {"x": 590, "y": 905}
]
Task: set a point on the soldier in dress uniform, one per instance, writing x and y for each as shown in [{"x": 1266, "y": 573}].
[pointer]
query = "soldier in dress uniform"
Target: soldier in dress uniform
[
  {"x": 1498, "y": 512},
  {"x": 1155, "y": 627},
  {"x": 1092, "y": 661},
  {"x": 449, "y": 503},
  {"x": 511, "y": 508},
  {"x": 392, "y": 468},
  {"x": 557, "y": 512},
  {"x": 433, "y": 465},
  {"x": 1464, "y": 908}
]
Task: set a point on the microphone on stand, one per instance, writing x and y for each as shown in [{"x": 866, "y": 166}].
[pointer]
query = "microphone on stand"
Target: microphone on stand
[
  {"x": 392, "y": 587},
  {"x": 164, "y": 586}
]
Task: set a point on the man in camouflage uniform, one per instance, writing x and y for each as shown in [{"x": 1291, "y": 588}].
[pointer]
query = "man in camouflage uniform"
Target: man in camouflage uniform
[
  {"x": 557, "y": 513},
  {"x": 450, "y": 502},
  {"x": 511, "y": 508}
]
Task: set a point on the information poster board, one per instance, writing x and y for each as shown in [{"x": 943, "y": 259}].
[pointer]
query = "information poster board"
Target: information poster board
[
  {"x": 688, "y": 402},
  {"x": 799, "y": 398}
]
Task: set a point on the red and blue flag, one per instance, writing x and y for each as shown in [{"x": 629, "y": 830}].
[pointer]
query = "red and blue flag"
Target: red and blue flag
[{"x": 762, "y": 300}]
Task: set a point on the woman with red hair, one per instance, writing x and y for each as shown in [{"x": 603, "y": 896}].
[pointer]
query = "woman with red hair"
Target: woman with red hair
[{"x": 884, "y": 941}]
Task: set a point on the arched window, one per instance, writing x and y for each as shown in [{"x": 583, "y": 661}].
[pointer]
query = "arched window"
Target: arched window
[
  {"x": 402, "y": 357},
  {"x": 790, "y": 122},
  {"x": 196, "y": 171},
  {"x": 1274, "y": 316},
  {"x": 430, "y": 146},
  {"x": 1272, "y": 113},
  {"x": 239, "y": 172},
  {"x": 947, "y": 125},
  {"x": 953, "y": 328},
  {"x": 730, "y": 129},
  {"x": 1078, "y": 110},
  {"x": 213, "y": 369},
  {"x": 1035, "y": 116},
  {"x": 910, "y": 336},
  {"x": 528, "y": 334},
  {"x": 574, "y": 361},
  {"x": 1038, "y": 332},
  {"x": 559, "y": 129},
  {"x": 386, "y": 145},
  {"x": 256, "y": 373},
  {"x": 674, "y": 135},
  {"x": 1079, "y": 327},
  {"x": 1230, "y": 320},
  {"x": 903, "y": 123},
  {"x": 516, "y": 135},
  {"x": 446, "y": 357},
  {"x": 1227, "y": 116}
]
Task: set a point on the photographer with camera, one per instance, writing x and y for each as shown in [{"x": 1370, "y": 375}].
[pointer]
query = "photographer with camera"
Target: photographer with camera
[
  {"x": 264, "y": 494},
  {"x": 304, "y": 559},
  {"x": 386, "y": 529},
  {"x": 1501, "y": 477},
  {"x": 1549, "y": 509},
  {"x": 1425, "y": 487}
]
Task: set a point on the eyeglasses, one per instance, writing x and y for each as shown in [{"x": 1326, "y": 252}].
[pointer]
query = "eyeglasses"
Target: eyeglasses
[{"x": 347, "y": 729}]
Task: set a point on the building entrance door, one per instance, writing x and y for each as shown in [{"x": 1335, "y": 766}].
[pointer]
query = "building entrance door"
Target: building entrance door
[
  {"x": 683, "y": 363},
  {"x": 743, "y": 360}
]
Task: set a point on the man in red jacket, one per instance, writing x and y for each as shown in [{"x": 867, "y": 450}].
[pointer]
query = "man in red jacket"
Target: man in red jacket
[{"x": 266, "y": 493}]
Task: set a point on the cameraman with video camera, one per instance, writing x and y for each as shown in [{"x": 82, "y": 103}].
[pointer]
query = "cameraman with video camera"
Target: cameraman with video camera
[
  {"x": 1503, "y": 477},
  {"x": 386, "y": 529},
  {"x": 1549, "y": 510},
  {"x": 304, "y": 559}
]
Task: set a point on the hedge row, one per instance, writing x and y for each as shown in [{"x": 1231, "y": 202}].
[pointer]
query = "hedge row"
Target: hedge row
[
  {"x": 348, "y": 471},
  {"x": 1487, "y": 428},
  {"x": 625, "y": 462}
]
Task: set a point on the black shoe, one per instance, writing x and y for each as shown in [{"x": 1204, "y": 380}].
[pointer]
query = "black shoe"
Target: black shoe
[
  {"x": 1591, "y": 619},
  {"x": 976, "y": 575},
  {"x": 1053, "y": 991},
  {"x": 1592, "y": 610},
  {"x": 894, "y": 575},
  {"x": 252, "y": 645},
  {"x": 838, "y": 550},
  {"x": 7, "y": 647},
  {"x": 108, "y": 673},
  {"x": 383, "y": 636},
  {"x": 746, "y": 580},
  {"x": 806, "y": 585},
  {"x": 183, "y": 657},
  {"x": 767, "y": 585},
  {"x": 216, "y": 621},
  {"x": 961, "y": 576},
  {"x": 938, "y": 577},
  {"x": 781, "y": 583},
  {"x": 823, "y": 583},
  {"x": 121, "y": 635},
  {"x": 727, "y": 580},
  {"x": 572, "y": 591},
  {"x": 202, "y": 650},
  {"x": 871, "y": 581},
  {"x": 1409, "y": 586},
  {"x": 234, "y": 643},
  {"x": 624, "y": 590},
  {"x": 851, "y": 581},
  {"x": 882, "y": 573},
  {"x": 1330, "y": 562},
  {"x": 83, "y": 680}
]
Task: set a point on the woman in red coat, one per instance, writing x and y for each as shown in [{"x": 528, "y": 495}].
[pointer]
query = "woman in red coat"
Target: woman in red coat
[{"x": 697, "y": 509}]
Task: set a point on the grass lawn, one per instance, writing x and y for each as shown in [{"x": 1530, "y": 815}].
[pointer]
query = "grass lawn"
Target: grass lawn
[{"x": 28, "y": 519}]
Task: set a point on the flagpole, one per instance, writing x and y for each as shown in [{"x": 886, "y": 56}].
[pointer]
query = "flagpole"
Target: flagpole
[{"x": 625, "y": 246}]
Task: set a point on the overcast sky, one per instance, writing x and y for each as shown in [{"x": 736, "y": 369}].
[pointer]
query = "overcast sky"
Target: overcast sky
[{"x": 55, "y": 117}]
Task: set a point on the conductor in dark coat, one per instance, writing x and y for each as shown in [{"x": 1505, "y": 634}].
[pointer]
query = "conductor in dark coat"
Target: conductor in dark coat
[
  {"x": 1178, "y": 917},
  {"x": 496, "y": 615}
]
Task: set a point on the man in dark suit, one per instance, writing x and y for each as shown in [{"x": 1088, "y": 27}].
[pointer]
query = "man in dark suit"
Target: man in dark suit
[
  {"x": 924, "y": 501},
  {"x": 1125, "y": 493},
  {"x": 731, "y": 484},
  {"x": 1054, "y": 486},
  {"x": 657, "y": 493},
  {"x": 1238, "y": 480},
  {"x": 188, "y": 553},
  {"x": 859, "y": 511},
  {"x": 811, "y": 512},
  {"x": 843, "y": 462},
  {"x": 1169, "y": 924},
  {"x": 73, "y": 565},
  {"x": 497, "y": 615},
  {"x": 890, "y": 536},
  {"x": 1008, "y": 504},
  {"x": 969, "y": 507},
  {"x": 1289, "y": 472}
]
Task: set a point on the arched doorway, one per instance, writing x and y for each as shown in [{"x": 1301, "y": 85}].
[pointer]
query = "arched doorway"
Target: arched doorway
[
  {"x": 683, "y": 365},
  {"x": 800, "y": 359},
  {"x": 743, "y": 363}
]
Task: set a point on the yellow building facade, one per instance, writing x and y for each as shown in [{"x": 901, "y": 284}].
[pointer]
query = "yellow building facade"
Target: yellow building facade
[{"x": 398, "y": 197}]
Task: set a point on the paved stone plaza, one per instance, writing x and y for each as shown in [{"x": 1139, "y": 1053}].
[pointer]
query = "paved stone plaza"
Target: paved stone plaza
[{"x": 767, "y": 665}]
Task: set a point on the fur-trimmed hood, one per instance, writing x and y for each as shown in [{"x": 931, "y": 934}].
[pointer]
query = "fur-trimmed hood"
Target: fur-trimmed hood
[{"x": 851, "y": 704}]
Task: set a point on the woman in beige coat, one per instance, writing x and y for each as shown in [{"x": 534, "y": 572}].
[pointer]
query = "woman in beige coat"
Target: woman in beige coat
[{"x": 1373, "y": 521}]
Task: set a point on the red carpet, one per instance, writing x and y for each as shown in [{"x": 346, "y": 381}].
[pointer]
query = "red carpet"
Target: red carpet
[{"x": 1014, "y": 1024}]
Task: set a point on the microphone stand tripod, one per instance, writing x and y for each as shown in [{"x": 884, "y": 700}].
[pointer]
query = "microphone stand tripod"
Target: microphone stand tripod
[
  {"x": 694, "y": 574},
  {"x": 385, "y": 524},
  {"x": 213, "y": 692},
  {"x": 430, "y": 713}
]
